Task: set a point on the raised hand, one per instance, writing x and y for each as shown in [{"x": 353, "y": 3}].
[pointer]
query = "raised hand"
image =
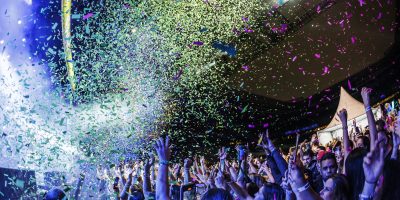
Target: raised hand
[
  {"x": 188, "y": 163},
  {"x": 295, "y": 173},
  {"x": 149, "y": 162},
  {"x": 285, "y": 182},
  {"x": 222, "y": 153},
  {"x": 129, "y": 171},
  {"x": 373, "y": 163},
  {"x": 202, "y": 160},
  {"x": 99, "y": 172},
  {"x": 119, "y": 171},
  {"x": 163, "y": 149},
  {"x": 365, "y": 93},
  {"x": 342, "y": 114}
]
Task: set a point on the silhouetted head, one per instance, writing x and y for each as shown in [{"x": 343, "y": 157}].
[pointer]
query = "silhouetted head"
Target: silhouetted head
[
  {"x": 217, "y": 194},
  {"x": 55, "y": 194}
]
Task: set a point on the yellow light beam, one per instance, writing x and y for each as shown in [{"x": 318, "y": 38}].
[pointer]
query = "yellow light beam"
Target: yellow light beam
[{"x": 67, "y": 40}]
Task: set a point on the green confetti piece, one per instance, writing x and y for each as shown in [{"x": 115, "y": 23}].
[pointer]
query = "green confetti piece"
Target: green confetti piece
[
  {"x": 54, "y": 26},
  {"x": 245, "y": 109}
]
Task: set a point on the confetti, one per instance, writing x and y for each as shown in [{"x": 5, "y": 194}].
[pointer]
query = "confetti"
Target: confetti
[{"x": 87, "y": 16}]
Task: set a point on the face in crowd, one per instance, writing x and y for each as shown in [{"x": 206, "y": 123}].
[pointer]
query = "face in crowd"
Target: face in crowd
[
  {"x": 306, "y": 160},
  {"x": 360, "y": 143},
  {"x": 328, "y": 168}
]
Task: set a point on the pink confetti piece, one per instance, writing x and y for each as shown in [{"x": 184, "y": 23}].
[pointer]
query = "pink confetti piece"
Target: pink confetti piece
[
  {"x": 251, "y": 126},
  {"x": 245, "y": 68},
  {"x": 317, "y": 55},
  {"x": 318, "y": 9},
  {"x": 348, "y": 15},
  {"x": 362, "y": 2},
  {"x": 349, "y": 84},
  {"x": 379, "y": 16},
  {"x": 329, "y": 99},
  {"x": 245, "y": 19},
  {"x": 294, "y": 58},
  {"x": 353, "y": 39},
  {"x": 326, "y": 71},
  {"x": 87, "y": 16},
  {"x": 265, "y": 125}
]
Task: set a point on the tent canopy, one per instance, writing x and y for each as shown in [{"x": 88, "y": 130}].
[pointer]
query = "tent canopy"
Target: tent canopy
[{"x": 354, "y": 108}]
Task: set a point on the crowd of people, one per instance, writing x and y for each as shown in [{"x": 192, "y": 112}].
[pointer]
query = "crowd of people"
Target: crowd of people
[{"x": 362, "y": 165}]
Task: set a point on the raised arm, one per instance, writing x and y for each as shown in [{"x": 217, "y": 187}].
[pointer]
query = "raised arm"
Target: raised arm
[
  {"x": 203, "y": 165},
  {"x": 222, "y": 158},
  {"x": 252, "y": 168},
  {"x": 146, "y": 176},
  {"x": 342, "y": 114},
  {"x": 164, "y": 152},
  {"x": 242, "y": 175},
  {"x": 373, "y": 167},
  {"x": 365, "y": 93},
  {"x": 188, "y": 163},
  {"x": 79, "y": 186},
  {"x": 124, "y": 193},
  {"x": 299, "y": 185},
  {"x": 239, "y": 191},
  {"x": 396, "y": 140},
  {"x": 279, "y": 160}
]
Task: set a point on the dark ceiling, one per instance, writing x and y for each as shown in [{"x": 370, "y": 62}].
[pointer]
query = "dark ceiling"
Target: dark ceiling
[{"x": 340, "y": 41}]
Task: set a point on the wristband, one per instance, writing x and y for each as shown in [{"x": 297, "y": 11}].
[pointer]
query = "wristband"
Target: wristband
[
  {"x": 303, "y": 188},
  {"x": 365, "y": 197},
  {"x": 368, "y": 108},
  {"x": 288, "y": 191},
  {"x": 164, "y": 162},
  {"x": 372, "y": 183}
]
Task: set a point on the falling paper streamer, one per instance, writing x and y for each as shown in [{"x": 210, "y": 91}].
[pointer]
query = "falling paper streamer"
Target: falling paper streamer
[
  {"x": 326, "y": 71},
  {"x": 349, "y": 84},
  {"x": 87, "y": 16}
]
